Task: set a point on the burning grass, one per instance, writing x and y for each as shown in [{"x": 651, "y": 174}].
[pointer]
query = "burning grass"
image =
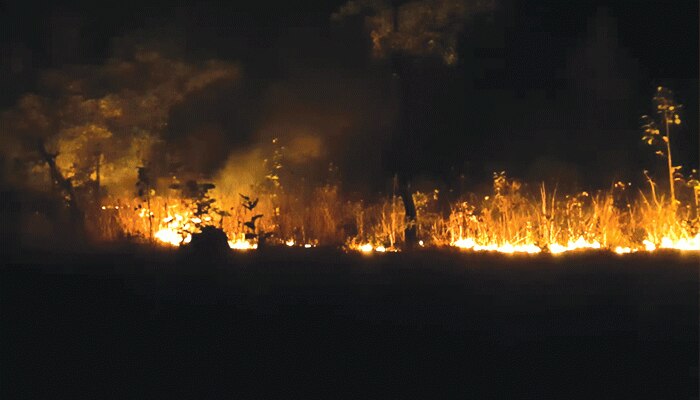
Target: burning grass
[
  {"x": 511, "y": 219},
  {"x": 107, "y": 162}
]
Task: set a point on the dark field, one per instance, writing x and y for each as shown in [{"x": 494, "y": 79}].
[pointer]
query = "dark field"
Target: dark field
[{"x": 323, "y": 324}]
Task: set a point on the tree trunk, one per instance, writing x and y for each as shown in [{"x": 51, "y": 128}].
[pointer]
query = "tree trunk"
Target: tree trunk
[
  {"x": 404, "y": 148},
  {"x": 411, "y": 230},
  {"x": 76, "y": 213}
]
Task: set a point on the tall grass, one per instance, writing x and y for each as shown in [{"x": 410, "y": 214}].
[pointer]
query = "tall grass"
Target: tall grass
[{"x": 511, "y": 213}]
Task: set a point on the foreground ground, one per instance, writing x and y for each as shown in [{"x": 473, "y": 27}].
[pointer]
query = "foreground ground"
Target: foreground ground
[{"x": 320, "y": 323}]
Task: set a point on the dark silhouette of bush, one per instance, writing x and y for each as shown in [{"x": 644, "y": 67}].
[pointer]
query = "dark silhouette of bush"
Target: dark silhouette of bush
[{"x": 211, "y": 242}]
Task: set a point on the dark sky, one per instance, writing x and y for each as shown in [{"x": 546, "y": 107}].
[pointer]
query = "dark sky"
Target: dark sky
[{"x": 541, "y": 88}]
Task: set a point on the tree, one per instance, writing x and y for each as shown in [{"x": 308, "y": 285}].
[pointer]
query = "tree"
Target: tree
[
  {"x": 26, "y": 131},
  {"x": 412, "y": 35},
  {"x": 65, "y": 186},
  {"x": 668, "y": 110},
  {"x": 90, "y": 127}
]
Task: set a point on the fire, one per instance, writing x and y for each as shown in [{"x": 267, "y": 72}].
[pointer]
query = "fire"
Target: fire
[
  {"x": 685, "y": 244},
  {"x": 579, "y": 244},
  {"x": 508, "y": 248},
  {"x": 171, "y": 237},
  {"x": 241, "y": 244},
  {"x": 507, "y": 221},
  {"x": 173, "y": 230},
  {"x": 175, "y": 227},
  {"x": 624, "y": 250},
  {"x": 293, "y": 243},
  {"x": 368, "y": 248},
  {"x": 649, "y": 245},
  {"x": 93, "y": 149}
]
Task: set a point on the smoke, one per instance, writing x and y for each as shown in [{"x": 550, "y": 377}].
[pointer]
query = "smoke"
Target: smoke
[
  {"x": 204, "y": 119},
  {"x": 109, "y": 117}
]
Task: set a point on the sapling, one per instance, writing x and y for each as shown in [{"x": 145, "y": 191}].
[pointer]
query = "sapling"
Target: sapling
[
  {"x": 253, "y": 232},
  {"x": 202, "y": 204},
  {"x": 658, "y": 132}
]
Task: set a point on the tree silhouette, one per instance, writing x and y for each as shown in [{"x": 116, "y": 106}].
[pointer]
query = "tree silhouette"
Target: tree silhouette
[{"x": 418, "y": 38}]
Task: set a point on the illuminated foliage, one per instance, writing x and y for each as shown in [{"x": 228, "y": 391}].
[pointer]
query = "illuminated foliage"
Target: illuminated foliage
[{"x": 111, "y": 115}]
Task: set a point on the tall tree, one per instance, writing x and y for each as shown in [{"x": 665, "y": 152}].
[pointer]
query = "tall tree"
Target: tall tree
[{"x": 418, "y": 38}]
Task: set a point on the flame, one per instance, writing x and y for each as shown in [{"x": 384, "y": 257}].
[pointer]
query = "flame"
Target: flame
[
  {"x": 579, "y": 244},
  {"x": 684, "y": 244},
  {"x": 171, "y": 237},
  {"x": 520, "y": 225},
  {"x": 649, "y": 245},
  {"x": 242, "y": 244},
  {"x": 368, "y": 248},
  {"x": 507, "y": 248},
  {"x": 624, "y": 250},
  {"x": 175, "y": 230},
  {"x": 293, "y": 243}
]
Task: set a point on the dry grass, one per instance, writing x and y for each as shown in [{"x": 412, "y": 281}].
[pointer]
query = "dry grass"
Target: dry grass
[{"x": 512, "y": 213}]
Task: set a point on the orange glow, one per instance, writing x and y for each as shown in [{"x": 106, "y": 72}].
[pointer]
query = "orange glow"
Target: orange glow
[
  {"x": 507, "y": 248},
  {"x": 242, "y": 244},
  {"x": 506, "y": 221},
  {"x": 578, "y": 244}
]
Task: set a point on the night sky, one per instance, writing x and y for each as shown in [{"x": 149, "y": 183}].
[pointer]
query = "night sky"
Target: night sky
[{"x": 543, "y": 89}]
